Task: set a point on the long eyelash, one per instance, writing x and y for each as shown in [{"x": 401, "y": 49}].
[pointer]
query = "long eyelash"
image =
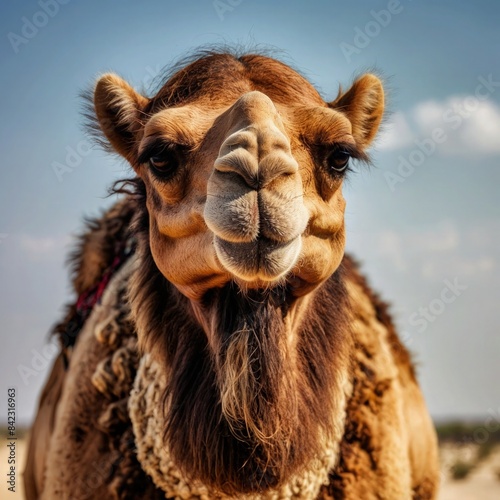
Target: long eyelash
[
  {"x": 351, "y": 149},
  {"x": 159, "y": 147},
  {"x": 342, "y": 173},
  {"x": 154, "y": 149},
  {"x": 346, "y": 170}
]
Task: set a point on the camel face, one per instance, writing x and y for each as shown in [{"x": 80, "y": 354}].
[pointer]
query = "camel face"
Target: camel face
[{"x": 243, "y": 176}]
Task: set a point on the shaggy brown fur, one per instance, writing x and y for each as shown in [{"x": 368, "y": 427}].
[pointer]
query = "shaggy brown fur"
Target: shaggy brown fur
[
  {"x": 270, "y": 362},
  {"x": 115, "y": 472},
  {"x": 93, "y": 255}
]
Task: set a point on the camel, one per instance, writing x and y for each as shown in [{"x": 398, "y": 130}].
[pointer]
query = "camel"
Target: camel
[{"x": 223, "y": 345}]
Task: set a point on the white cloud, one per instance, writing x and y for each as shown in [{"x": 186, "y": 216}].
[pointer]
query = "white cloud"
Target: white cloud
[
  {"x": 482, "y": 130},
  {"x": 444, "y": 237},
  {"x": 471, "y": 126},
  {"x": 390, "y": 246},
  {"x": 396, "y": 133},
  {"x": 442, "y": 249},
  {"x": 429, "y": 114},
  {"x": 40, "y": 248},
  {"x": 456, "y": 265}
]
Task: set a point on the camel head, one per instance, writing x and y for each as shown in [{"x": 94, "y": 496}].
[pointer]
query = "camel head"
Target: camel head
[{"x": 242, "y": 163}]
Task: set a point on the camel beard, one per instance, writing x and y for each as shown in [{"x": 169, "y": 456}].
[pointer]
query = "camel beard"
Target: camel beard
[
  {"x": 242, "y": 414},
  {"x": 257, "y": 386}
]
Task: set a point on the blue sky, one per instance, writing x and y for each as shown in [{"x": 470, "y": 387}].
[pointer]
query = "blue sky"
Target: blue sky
[{"x": 428, "y": 239}]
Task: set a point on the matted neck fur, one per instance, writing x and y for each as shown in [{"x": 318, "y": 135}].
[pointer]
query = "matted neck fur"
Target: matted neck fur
[{"x": 242, "y": 163}]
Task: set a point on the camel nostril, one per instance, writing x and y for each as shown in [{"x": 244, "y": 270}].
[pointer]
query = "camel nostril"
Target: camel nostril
[
  {"x": 276, "y": 165},
  {"x": 238, "y": 177},
  {"x": 240, "y": 164},
  {"x": 273, "y": 165},
  {"x": 258, "y": 153}
]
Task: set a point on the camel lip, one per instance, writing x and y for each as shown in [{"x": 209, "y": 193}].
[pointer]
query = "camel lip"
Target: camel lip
[
  {"x": 256, "y": 216},
  {"x": 262, "y": 260}
]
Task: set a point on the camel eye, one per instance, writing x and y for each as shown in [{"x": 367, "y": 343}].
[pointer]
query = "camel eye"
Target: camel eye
[
  {"x": 338, "y": 160},
  {"x": 159, "y": 163},
  {"x": 164, "y": 159},
  {"x": 165, "y": 164}
]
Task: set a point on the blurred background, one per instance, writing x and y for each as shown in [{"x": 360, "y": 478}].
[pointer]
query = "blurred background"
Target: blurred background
[{"x": 423, "y": 220}]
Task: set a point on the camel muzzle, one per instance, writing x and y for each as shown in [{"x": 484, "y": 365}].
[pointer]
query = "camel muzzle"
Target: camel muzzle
[{"x": 255, "y": 204}]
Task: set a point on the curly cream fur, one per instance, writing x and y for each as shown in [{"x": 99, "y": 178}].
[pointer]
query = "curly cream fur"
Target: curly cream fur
[{"x": 147, "y": 419}]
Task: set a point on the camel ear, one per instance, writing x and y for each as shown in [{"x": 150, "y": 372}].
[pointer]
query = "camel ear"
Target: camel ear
[
  {"x": 363, "y": 104},
  {"x": 118, "y": 108}
]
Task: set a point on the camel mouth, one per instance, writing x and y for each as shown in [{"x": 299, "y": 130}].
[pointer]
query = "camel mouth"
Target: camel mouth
[{"x": 260, "y": 260}]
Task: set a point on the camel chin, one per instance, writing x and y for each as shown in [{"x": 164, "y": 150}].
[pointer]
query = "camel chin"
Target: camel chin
[{"x": 261, "y": 261}]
